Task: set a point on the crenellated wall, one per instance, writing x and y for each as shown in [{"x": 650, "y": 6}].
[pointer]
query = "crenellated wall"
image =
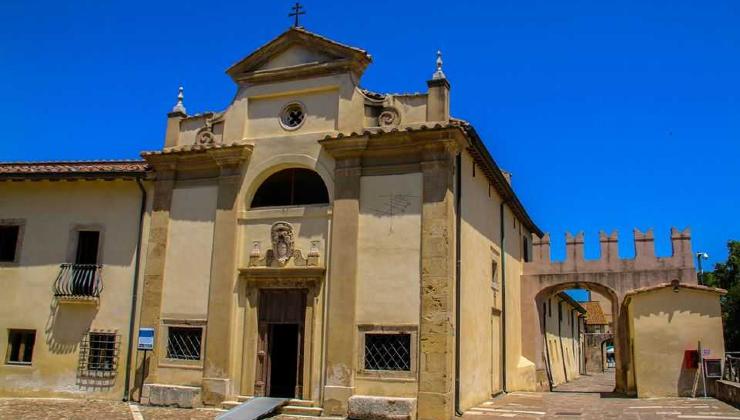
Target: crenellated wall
[
  {"x": 608, "y": 275},
  {"x": 609, "y": 261}
]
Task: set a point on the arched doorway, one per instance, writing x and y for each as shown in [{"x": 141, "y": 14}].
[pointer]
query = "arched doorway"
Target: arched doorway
[
  {"x": 561, "y": 354},
  {"x": 286, "y": 227}
]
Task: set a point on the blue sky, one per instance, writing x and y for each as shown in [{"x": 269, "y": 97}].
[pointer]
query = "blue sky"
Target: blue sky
[{"x": 610, "y": 115}]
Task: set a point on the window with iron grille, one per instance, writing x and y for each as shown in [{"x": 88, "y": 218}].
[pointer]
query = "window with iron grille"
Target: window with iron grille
[
  {"x": 184, "y": 343},
  {"x": 99, "y": 354},
  {"x": 388, "y": 352}
]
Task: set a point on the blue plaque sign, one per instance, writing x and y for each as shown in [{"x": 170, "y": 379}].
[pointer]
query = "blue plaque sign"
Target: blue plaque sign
[{"x": 146, "y": 338}]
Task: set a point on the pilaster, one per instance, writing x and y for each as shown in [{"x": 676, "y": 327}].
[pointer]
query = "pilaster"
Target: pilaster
[
  {"x": 437, "y": 322},
  {"x": 341, "y": 334},
  {"x": 217, "y": 386},
  {"x": 151, "y": 302}
]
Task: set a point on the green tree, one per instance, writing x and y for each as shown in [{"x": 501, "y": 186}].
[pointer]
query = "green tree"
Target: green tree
[{"x": 727, "y": 276}]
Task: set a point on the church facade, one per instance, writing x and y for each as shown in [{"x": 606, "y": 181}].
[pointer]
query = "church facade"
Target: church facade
[{"x": 314, "y": 241}]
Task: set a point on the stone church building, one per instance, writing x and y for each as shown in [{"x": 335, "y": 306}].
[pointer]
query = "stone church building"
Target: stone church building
[{"x": 314, "y": 240}]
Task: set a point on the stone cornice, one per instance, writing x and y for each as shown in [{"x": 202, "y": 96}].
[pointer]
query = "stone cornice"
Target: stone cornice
[
  {"x": 393, "y": 147},
  {"x": 199, "y": 158}
]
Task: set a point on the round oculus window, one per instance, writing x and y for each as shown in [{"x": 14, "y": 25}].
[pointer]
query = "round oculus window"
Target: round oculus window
[{"x": 292, "y": 116}]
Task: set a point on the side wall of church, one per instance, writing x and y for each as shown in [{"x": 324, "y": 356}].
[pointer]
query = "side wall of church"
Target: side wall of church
[
  {"x": 51, "y": 213},
  {"x": 482, "y": 340}
]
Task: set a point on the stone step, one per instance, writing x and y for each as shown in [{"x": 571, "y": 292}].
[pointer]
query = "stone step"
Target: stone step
[
  {"x": 302, "y": 417},
  {"x": 302, "y": 403},
  {"x": 228, "y": 405},
  {"x": 300, "y": 410},
  {"x": 295, "y": 402}
]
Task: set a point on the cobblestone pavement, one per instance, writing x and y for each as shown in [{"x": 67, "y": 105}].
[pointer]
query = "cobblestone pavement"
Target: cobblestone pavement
[
  {"x": 71, "y": 409},
  {"x": 590, "y": 397}
]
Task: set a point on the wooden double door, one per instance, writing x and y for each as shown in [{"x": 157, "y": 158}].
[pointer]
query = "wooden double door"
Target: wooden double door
[{"x": 280, "y": 343}]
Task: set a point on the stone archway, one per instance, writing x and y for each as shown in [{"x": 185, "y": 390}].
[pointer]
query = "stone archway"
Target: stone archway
[
  {"x": 608, "y": 275},
  {"x": 536, "y": 349}
]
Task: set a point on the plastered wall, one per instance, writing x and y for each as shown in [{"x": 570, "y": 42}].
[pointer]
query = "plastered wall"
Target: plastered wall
[
  {"x": 389, "y": 252},
  {"x": 189, "y": 247},
  {"x": 664, "y": 324},
  {"x": 51, "y": 210},
  {"x": 481, "y": 358},
  {"x": 563, "y": 341}
]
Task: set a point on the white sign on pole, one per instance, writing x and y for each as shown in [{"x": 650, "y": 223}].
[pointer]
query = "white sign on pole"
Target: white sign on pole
[{"x": 146, "y": 339}]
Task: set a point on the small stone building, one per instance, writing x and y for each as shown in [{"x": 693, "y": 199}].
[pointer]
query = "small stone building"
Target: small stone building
[{"x": 672, "y": 327}]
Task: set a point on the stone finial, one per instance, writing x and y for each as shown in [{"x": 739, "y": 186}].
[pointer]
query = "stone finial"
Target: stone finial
[
  {"x": 179, "y": 106},
  {"x": 439, "y": 74}
]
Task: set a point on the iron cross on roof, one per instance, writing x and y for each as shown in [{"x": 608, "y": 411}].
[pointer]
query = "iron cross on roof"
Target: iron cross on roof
[{"x": 297, "y": 11}]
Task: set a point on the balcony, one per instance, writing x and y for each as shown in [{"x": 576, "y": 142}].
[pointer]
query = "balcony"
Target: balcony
[{"x": 79, "y": 283}]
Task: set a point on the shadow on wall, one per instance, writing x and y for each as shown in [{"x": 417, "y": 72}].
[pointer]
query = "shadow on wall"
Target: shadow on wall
[
  {"x": 142, "y": 371},
  {"x": 688, "y": 376},
  {"x": 67, "y": 325}
]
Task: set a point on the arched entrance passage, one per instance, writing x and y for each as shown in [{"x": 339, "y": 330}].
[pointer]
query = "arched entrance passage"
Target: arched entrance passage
[
  {"x": 535, "y": 343},
  {"x": 608, "y": 275}
]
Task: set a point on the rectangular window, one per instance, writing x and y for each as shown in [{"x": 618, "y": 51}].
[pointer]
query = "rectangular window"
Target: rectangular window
[
  {"x": 20, "y": 347},
  {"x": 494, "y": 275},
  {"x": 8, "y": 242},
  {"x": 525, "y": 249},
  {"x": 87, "y": 247},
  {"x": 560, "y": 311},
  {"x": 99, "y": 353},
  {"x": 388, "y": 352},
  {"x": 184, "y": 343}
]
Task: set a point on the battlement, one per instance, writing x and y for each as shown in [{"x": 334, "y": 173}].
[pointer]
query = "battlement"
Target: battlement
[{"x": 645, "y": 259}]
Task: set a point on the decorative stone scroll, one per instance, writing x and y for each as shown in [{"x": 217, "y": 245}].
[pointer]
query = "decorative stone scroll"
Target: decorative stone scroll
[
  {"x": 389, "y": 117},
  {"x": 283, "y": 251},
  {"x": 205, "y": 135}
]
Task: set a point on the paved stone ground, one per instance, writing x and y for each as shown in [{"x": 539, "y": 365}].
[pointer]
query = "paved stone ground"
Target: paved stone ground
[
  {"x": 71, "y": 409},
  {"x": 593, "y": 382},
  {"x": 590, "y": 397}
]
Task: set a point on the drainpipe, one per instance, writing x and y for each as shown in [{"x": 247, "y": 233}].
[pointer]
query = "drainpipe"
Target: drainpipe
[
  {"x": 135, "y": 289},
  {"x": 503, "y": 293},
  {"x": 458, "y": 222}
]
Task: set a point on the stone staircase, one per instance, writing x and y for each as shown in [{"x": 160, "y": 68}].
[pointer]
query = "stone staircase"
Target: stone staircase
[{"x": 295, "y": 409}]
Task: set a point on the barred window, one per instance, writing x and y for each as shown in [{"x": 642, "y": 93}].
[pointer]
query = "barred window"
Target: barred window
[
  {"x": 388, "y": 352},
  {"x": 99, "y": 354},
  {"x": 184, "y": 343}
]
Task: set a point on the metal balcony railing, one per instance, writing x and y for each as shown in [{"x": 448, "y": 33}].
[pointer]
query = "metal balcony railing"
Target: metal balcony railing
[
  {"x": 732, "y": 366},
  {"x": 79, "y": 281}
]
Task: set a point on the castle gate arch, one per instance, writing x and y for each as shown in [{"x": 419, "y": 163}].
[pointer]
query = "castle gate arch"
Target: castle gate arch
[{"x": 609, "y": 275}]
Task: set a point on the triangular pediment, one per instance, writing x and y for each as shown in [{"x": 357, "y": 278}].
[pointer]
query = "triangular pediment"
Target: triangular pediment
[{"x": 298, "y": 53}]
